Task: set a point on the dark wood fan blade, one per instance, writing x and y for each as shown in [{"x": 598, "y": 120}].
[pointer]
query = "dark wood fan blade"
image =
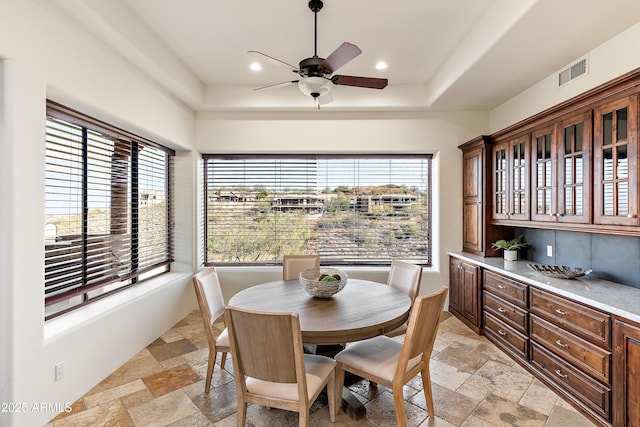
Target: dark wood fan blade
[
  {"x": 276, "y": 85},
  {"x": 367, "y": 82},
  {"x": 262, "y": 56},
  {"x": 343, "y": 54}
]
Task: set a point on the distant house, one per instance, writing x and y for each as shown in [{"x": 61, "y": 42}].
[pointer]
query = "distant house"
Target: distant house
[
  {"x": 309, "y": 203},
  {"x": 232, "y": 196},
  {"x": 399, "y": 202}
]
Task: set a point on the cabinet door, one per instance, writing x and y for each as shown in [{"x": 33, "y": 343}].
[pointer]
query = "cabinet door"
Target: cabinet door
[
  {"x": 519, "y": 179},
  {"x": 473, "y": 206},
  {"x": 543, "y": 175},
  {"x": 626, "y": 390},
  {"x": 574, "y": 171},
  {"x": 511, "y": 179},
  {"x": 500, "y": 181},
  {"x": 616, "y": 163},
  {"x": 470, "y": 302},
  {"x": 455, "y": 285},
  {"x": 463, "y": 291}
]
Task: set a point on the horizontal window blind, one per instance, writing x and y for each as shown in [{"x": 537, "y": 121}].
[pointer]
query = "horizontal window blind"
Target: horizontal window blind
[
  {"x": 348, "y": 209},
  {"x": 108, "y": 211}
]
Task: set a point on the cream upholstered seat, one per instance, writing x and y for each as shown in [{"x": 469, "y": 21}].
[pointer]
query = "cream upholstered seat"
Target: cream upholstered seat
[
  {"x": 405, "y": 277},
  {"x": 293, "y": 265},
  {"x": 270, "y": 367},
  {"x": 211, "y": 303},
  {"x": 391, "y": 363}
]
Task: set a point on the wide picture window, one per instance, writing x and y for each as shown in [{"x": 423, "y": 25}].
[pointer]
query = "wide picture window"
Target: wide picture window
[
  {"x": 108, "y": 209},
  {"x": 351, "y": 210}
]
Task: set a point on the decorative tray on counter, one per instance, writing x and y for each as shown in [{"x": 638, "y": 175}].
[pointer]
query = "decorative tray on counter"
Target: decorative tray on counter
[{"x": 562, "y": 272}]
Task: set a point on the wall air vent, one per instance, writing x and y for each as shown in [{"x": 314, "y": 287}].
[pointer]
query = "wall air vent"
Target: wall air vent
[{"x": 572, "y": 72}]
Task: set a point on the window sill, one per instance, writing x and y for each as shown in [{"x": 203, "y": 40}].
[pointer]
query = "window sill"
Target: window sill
[{"x": 108, "y": 305}]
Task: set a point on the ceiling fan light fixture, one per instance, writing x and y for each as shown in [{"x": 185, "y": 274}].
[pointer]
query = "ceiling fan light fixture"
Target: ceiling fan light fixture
[{"x": 315, "y": 86}]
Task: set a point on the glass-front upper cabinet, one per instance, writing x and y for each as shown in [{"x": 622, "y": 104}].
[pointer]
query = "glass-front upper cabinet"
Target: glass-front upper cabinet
[
  {"x": 574, "y": 171},
  {"x": 511, "y": 179},
  {"x": 544, "y": 206},
  {"x": 615, "y": 166}
]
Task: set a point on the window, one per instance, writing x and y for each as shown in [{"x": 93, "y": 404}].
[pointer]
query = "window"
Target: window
[
  {"x": 354, "y": 210},
  {"x": 108, "y": 209}
]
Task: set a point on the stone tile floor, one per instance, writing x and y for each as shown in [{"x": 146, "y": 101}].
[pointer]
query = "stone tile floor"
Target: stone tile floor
[{"x": 474, "y": 385}]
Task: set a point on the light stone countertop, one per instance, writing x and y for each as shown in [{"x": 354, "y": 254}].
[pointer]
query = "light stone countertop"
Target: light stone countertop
[{"x": 621, "y": 300}]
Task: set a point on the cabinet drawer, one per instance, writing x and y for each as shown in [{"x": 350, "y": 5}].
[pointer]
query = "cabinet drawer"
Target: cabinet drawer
[
  {"x": 586, "y": 322},
  {"x": 506, "y": 288},
  {"x": 505, "y": 311},
  {"x": 591, "y": 393},
  {"x": 584, "y": 355},
  {"x": 506, "y": 337}
]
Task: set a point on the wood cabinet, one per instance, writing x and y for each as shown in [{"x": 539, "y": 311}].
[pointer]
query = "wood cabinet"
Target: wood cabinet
[
  {"x": 477, "y": 235},
  {"x": 544, "y": 174},
  {"x": 505, "y": 314},
  {"x": 616, "y": 162},
  {"x": 561, "y": 171},
  {"x": 464, "y": 302},
  {"x": 571, "y": 349},
  {"x": 510, "y": 178},
  {"x": 573, "y": 167},
  {"x": 626, "y": 393}
]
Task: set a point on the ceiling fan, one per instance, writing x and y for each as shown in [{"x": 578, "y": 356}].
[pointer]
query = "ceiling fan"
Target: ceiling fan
[{"x": 317, "y": 73}]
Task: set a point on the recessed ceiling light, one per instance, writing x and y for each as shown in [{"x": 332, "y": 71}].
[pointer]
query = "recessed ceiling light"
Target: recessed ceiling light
[
  {"x": 255, "y": 66},
  {"x": 381, "y": 65}
]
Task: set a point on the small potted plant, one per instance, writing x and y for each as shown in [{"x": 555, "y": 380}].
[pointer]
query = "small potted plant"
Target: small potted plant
[{"x": 510, "y": 247}]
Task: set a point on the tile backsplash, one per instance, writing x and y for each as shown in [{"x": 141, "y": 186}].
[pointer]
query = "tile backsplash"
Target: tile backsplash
[{"x": 614, "y": 258}]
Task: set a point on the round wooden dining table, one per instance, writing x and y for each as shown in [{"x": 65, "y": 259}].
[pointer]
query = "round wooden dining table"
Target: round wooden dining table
[{"x": 363, "y": 309}]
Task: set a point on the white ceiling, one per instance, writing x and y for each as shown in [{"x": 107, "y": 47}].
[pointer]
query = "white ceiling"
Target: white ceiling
[{"x": 442, "y": 54}]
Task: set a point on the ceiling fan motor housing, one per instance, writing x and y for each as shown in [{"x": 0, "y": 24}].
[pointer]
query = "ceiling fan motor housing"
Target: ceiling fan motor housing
[{"x": 312, "y": 67}]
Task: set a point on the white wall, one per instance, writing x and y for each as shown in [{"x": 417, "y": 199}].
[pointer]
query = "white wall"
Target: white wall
[
  {"x": 5, "y": 307},
  {"x": 613, "y": 58},
  {"x": 330, "y": 132},
  {"x": 44, "y": 54}
]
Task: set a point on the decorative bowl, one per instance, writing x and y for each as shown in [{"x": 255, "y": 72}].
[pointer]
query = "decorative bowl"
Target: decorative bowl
[
  {"x": 310, "y": 279},
  {"x": 563, "y": 272}
]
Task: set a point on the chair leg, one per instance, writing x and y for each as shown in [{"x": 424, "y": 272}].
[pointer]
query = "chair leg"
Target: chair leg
[
  {"x": 339, "y": 385},
  {"x": 210, "y": 364},
  {"x": 304, "y": 418},
  {"x": 224, "y": 359},
  {"x": 331, "y": 396},
  {"x": 398, "y": 402},
  {"x": 241, "y": 415},
  {"x": 428, "y": 392}
]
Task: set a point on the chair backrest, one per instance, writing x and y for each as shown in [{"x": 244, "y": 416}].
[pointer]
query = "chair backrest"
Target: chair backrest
[
  {"x": 292, "y": 265},
  {"x": 423, "y": 326},
  {"x": 405, "y": 277},
  {"x": 210, "y": 300},
  {"x": 266, "y": 345}
]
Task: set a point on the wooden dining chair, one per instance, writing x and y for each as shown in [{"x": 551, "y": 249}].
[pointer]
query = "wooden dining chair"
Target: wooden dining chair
[
  {"x": 211, "y": 303},
  {"x": 270, "y": 367},
  {"x": 405, "y": 277},
  {"x": 391, "y": 363},
  {"x": 293, "y": 265}
]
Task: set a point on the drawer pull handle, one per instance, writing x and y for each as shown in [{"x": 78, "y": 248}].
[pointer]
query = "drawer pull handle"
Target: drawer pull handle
[
  {"x": 501, "y": 332},
  {"x": 560, "y": 374},
  {"x": 561, "y": 344},
  {"x": 502, "y": 310},
  {"x": 563, "y": 313},
  {"x": 502, "y": 287}
]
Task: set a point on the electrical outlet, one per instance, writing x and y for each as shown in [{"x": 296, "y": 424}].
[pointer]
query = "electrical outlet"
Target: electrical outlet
[
  {"x": 549, "y": 250},
  {"x": 59, "y": 370}
]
